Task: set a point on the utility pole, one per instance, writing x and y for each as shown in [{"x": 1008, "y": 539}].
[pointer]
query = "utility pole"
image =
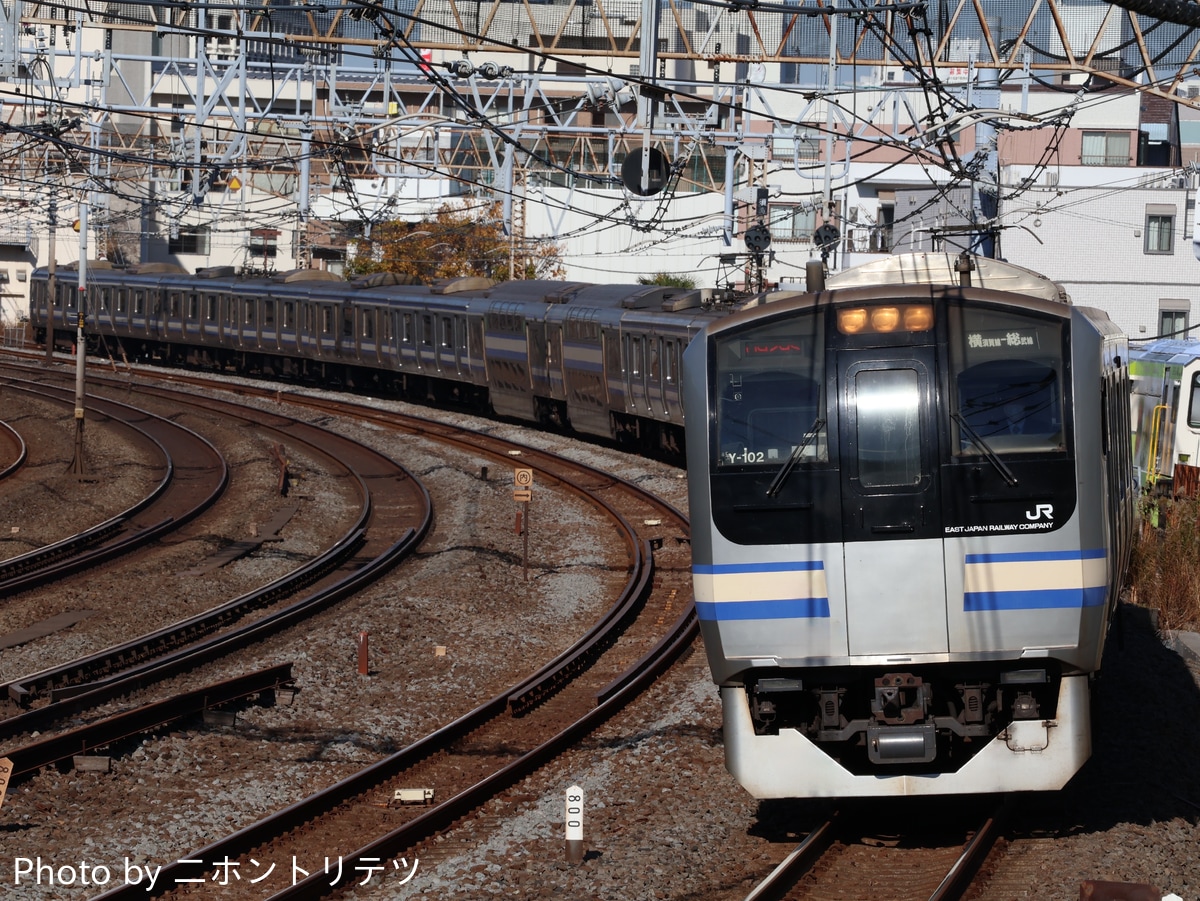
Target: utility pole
[
  {"x": 77, "y": 465},
  {"x": 985, "y": 186},
  {"x": 51, "y": 278},
  {"x": 830, "y": 87}
]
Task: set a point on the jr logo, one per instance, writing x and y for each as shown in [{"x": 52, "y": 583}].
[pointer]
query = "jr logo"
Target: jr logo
[{"x": 1039, "y": 511}]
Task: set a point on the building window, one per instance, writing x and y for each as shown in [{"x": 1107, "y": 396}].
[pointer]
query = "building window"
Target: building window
[
  {"x": 1173, "y": 318},
  {"x": 1160, "y": 233},
  {"x": 189, "y": 240},
  {"x": 264, "y": 242},
  {"x": 1105, "y": 148},
  {"x": 792, "y": 222}
]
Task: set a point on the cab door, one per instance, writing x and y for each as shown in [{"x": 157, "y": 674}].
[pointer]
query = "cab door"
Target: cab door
[{"x": 895, "y": 573}]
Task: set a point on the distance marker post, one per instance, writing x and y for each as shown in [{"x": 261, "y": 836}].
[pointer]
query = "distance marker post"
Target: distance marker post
[{"x": 574, "y": 824}]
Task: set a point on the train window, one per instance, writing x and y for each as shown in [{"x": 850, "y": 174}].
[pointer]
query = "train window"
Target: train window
[
  {"x": 427, "y": 331},
  {"x": 249, "y": 311},
  {"x": 173, "y": 305},
  {"x": 326, "y": 320},
  {"x": 193, "y": 307},
  {"x": 104, "y": 299},
  {"x": 368, "y": 323},
  {"x": 122, "y": 300},
  {"x": 269, "y": 313},
  {"x": 635, "y": 355},
  {"x": 210, "y": 307},
  {"x": 1007, "y": 379},
  {"x": 888, "y": 408},
  {"x": 406, "y": 329},
  {"x": 1194, "y": 404},
  {"x": 769, "y": 397},
  {"x": 139, "y": 302},
  {"x": 348, "y": 322},
  {"x": 447, "y": 332},
  {"x": 289, "y": 314}
]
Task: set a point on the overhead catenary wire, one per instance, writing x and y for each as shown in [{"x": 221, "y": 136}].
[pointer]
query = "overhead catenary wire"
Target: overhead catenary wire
[{"x": 935, "y": 93}]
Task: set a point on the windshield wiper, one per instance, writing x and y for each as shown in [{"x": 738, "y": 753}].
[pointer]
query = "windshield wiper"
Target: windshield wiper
[
  {"x": 988, "y": 453},
  {"x": 794, "y": 458}
]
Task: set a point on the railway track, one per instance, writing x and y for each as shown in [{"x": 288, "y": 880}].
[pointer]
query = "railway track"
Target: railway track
[
  {"x": 467, "y": 763},
  {"x": 13, "y": 451},
  {"x": 846, "y": 856},
  {"x": 395, "y": 514},
  {"x": 640, "y": 634},
  {"x": 523, "y": 727},
  {"x": 193, "y": 477}
]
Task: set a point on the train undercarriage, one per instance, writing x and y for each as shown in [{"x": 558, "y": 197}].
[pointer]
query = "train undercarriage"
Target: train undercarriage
[{"x": 931, "y": 720}]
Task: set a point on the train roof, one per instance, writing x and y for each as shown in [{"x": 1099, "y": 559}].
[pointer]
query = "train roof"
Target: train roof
[
  {"x": 1168, "y": 351},
  {"x": 942, "y": 269}
]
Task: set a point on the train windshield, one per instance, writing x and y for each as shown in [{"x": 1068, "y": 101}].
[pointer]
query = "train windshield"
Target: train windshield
[
  {"x": 770, "y": 403},
  {"x": 1007, "y": 377}
]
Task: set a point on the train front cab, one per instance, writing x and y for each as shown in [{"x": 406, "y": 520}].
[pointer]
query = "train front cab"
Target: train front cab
[{"x": 900, "y": 591}]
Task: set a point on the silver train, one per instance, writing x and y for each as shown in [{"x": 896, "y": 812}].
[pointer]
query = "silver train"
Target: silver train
[
  {"x": 912, "y": 508},
  {"x": 1166, "y": 414},
  {"x": 897, "y": 594},
  {"x": 602, "y": 360}
]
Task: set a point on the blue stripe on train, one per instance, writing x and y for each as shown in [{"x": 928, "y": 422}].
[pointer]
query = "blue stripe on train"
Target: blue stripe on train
[
  {"x": 1063, "y": 598},
  {"x": 795, "y": 608},
  {"x": 717, "y": 569}
]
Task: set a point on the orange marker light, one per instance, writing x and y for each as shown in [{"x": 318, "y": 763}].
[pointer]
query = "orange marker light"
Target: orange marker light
[
  {"x": 918, "y": 319},
  {"x": 852, "y": 321},
  {"x": 885, "y": 319}
]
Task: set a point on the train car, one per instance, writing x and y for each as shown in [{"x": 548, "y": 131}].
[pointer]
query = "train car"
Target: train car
[
  {"x": 600, "y": 360},
  {"x": 912, "y": 504},
  {"x": 1165, "y": 408}
]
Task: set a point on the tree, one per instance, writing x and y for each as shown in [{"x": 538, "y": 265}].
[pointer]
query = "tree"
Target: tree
[
  {"x": 457, "y": 241},
  {"x": 668, "y": 280}
]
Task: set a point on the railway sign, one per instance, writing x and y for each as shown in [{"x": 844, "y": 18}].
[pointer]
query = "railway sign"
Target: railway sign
[
  {"x": 523, "y": 493},
  {"x": 6, "y": 769}
]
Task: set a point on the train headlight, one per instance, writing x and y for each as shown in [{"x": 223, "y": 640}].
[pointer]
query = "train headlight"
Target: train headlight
[
  {"x": 885, "y": 319},
  {"x": 918, "y": 318},
  {"x": 852, "y": 321}
]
